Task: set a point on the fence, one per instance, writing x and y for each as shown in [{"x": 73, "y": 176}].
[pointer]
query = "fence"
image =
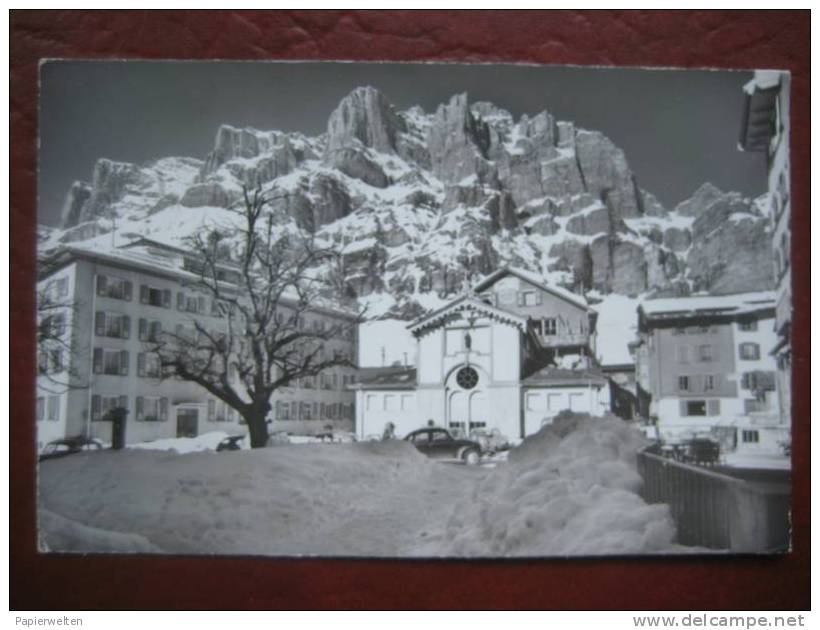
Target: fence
[{"x": 716, "y": 510}]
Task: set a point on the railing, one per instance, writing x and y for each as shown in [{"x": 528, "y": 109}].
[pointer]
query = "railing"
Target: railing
[
  {"x": 716, "y": 510},
  {"x": 564, "y": 339}
]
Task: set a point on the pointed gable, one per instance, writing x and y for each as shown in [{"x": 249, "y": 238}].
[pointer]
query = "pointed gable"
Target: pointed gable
[{"x": 470, "y": 304}]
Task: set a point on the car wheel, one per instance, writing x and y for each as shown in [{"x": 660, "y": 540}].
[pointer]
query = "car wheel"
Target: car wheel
[{"x": 471, "y": 457}]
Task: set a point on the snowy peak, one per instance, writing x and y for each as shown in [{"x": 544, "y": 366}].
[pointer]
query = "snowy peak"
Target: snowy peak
[{"x": 422, "y": 204}]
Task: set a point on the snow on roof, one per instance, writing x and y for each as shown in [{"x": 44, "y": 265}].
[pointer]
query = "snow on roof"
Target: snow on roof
[
  {"x": 763, "y": 80},
  {"x": 532, "y": 278},
  {"x": 735, "y": 303}
]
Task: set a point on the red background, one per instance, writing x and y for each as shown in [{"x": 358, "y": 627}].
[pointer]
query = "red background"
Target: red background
[{"x": 729, "y": 39}]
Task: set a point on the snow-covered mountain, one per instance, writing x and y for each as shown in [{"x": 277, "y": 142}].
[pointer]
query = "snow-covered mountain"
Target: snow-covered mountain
[{"x": 422, "y": 203}]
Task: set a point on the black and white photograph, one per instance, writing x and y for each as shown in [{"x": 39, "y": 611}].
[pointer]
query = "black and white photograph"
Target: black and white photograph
[{"x": 412, "y": 310}]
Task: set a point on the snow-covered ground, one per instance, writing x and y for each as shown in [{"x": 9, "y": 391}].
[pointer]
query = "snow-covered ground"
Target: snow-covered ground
[{"x": 569, "y": 490}]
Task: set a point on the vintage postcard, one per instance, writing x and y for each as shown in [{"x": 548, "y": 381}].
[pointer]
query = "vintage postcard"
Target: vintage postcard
[{"x": 412, "y": 310}]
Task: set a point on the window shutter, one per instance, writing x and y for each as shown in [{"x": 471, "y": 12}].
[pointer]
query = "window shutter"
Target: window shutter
[
  {"x": 140, "y": 412},
  {"x": 538, "y": 297},
  {"x": 123, "y": 402},
  {"x": 200, "y": 304},
  {"x": 124, "y": 363},
  {"x": 156, "y": 330},
  {"x": 128, "y": 290},
  {"x": 683, "y": 409},
  {"x": 143, "y": 329},
  {"x": 143, "y": 294},
  {"x": 96, "y": 407},
  {"x": 180, "y": 301},
  {"x": 713, "y": 407},
  {"x": 98, "y": 361},
  {"x": 126, "y": 327},
  {"x": 163, "y": 409},
  {"x": 211, "y": 410},
  {"x": 102, "y": 284},
  {"x": 766, "y": 381},
  {"x": 166, "y": 298},
  {"x": 99, "y": 323},
  {"x": 520, "y": 299},
  {"x": 141, "y": 364}
]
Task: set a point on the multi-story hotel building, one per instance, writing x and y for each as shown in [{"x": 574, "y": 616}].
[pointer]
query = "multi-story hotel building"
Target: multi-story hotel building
[
  {"x": 765, "y": 129},
  {"x": 109, "y": 304},
  {"x": 705, "y": 362}
]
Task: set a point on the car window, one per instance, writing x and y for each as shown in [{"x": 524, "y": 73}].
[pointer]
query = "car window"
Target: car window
[
  {"x": 421, "y": 438},
  {"x": 439, "y": 436}
]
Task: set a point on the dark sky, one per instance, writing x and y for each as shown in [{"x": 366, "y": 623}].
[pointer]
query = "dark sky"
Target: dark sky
[{"x": 679, "y": 129}]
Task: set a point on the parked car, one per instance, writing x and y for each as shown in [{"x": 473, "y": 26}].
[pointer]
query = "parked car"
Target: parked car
[
  {"x": 440, "y": 444},
  {"x": 68, "y": 446},
  {"x": 491, "y": 441},
  {"x": 230, "y": 443}
]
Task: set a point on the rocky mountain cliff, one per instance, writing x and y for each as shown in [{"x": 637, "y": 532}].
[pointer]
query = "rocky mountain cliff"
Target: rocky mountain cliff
[{"x": 422, "y": 203}]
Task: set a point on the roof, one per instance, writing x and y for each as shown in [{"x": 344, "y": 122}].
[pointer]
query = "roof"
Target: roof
[
  {"x": 534, "y": 279},
  {"x": 700, "y": 305},
  {"x": 759, "y": 111},
  {"x": 393, "y": 377},
  {"x": 466, "y": 303},
  {"x": 559, "y": 377}
]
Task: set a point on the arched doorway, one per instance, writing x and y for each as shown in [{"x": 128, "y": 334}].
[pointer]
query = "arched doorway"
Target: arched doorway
[{"x": 467, "y": 399}]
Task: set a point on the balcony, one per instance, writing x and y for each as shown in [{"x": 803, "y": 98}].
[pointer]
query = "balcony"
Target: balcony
[{"x": 560, "y": 340}]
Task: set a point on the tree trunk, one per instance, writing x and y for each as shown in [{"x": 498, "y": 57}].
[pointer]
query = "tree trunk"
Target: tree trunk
[{"x": 257, "y": 427}]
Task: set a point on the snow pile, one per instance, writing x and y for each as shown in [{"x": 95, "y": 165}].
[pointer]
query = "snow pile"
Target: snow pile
[
  {"x": 570, "y": 489},
  {"x": 322, "y": 499},
  {"x": 204, "y": 442}
]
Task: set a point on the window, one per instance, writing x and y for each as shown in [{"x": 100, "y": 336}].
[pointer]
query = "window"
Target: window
[
  {"x": 150, "y": 329},
  {"x": 538, "y": 327},
  {"x": 683, "y": 354},
  {"x": 407, "y": 402},
  {"x": 52, "y": 326},
  {"x": 708, "y": 382},
  {"x": 50, "y": 361},
  {"x": 41, "y": 408},
  {"x": 152, "y": 409},
  {"x": 713, "y": 407},
  {"x": 218, "y": 410},
  {"x": 748, "y": 380},
  {"x": 148, "y": 365},
  {"x": 529, "y": 298},
  {"x": 390, "y": 402},
  {"x": 550, "y": 326},
  {"x": 61, "y": 287},
  {"x": 683, "y": 383},
  {"x": 749, "y": 351},
  {"x": 113, "y": 287},
  {"x": 154, "y": 296},
  {"x": 282, "y": 410},
  {"x": 534, "y": 402},
  {"x": 750, "y": 437},
  {"x": 53, "y": 411},
  {"x": 189, "y": 303},
  {"x": 705, "y": 353},
  {"x": 695, "y": 408},
  {"x": 112, "y": 325},
  {"x": 753, "y": 405},
  {"x": 371, "y": 402},
  {"x": 679, "y": 331},
  {"x": 749, "y": 325},
  {"x": 110, "y": 361},
  {"x": 102, "y": 405}
]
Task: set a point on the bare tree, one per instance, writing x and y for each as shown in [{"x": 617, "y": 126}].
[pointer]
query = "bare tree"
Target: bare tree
[
  {"x": 57, "y": 352},
  {"x": 262, "y": 280}
]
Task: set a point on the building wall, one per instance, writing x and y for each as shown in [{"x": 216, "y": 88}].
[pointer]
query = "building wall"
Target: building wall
[
  {"x": 730, "y": 398},
  {"x": 780, "y": 214},
  {"x": 570, "y": 319},
  {"x": 541, "y": 405},
  {"x": 76, "y": 403}
]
